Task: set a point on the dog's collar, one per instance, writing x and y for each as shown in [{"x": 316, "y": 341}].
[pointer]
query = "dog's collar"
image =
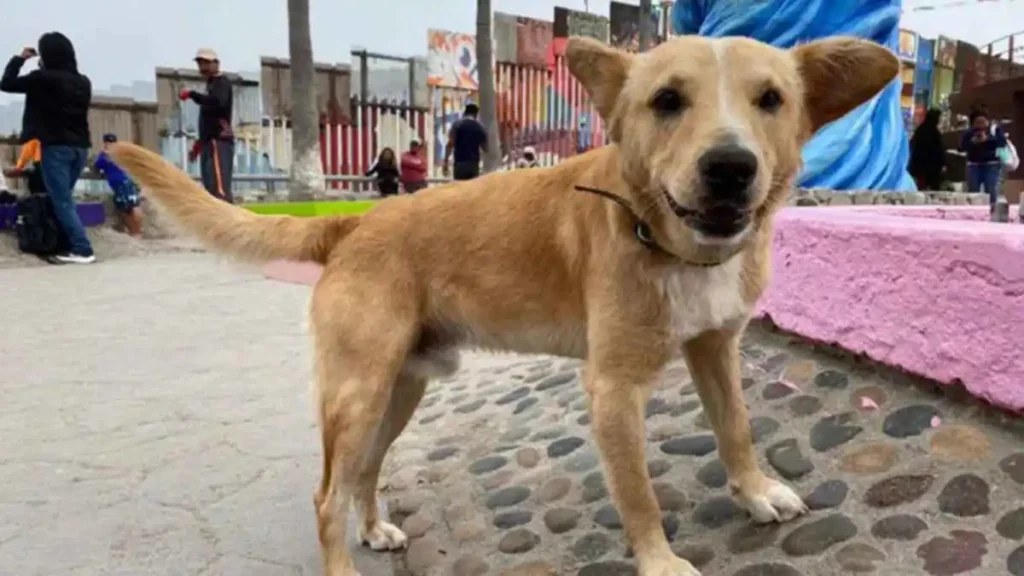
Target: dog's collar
[{"x": 642, "y": 230}]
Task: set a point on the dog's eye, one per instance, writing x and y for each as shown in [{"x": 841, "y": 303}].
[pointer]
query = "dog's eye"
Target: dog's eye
[
  {"x": 668, "y": 101},
  {"x": 770, "y": 100}
]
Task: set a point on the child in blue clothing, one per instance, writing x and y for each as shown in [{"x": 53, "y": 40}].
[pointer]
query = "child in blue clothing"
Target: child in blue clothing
[{"x": 126, "y": 193}]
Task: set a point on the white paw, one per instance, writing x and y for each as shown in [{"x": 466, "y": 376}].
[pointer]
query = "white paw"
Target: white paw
[
  {"x": 670, "y": 566},
  {"x": 384, "y": 536},
  {"x": 771, "y": 501}
]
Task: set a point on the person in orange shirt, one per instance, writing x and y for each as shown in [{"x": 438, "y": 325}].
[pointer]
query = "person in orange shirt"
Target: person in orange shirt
[{"x": 30, "y": 152}]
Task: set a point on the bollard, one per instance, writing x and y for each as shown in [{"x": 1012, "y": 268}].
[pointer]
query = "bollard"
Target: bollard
[{"x": 1001, "y": 210}]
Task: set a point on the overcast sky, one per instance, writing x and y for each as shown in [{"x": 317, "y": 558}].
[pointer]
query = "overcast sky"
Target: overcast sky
[{"x": 119, "y": 41}]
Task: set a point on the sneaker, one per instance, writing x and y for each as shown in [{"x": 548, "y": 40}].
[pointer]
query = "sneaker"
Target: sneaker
[{"x": 71, "y": 258}]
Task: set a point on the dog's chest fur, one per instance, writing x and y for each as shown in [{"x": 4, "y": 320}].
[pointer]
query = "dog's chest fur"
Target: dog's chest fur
[{"x": 703, "y": 299}]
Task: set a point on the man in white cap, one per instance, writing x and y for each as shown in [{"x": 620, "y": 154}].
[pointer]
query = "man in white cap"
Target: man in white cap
[{"x": 216, "y": 136}]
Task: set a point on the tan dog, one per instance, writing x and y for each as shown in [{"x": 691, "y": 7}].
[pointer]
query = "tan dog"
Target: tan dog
[{"x": 707, "y": 145}]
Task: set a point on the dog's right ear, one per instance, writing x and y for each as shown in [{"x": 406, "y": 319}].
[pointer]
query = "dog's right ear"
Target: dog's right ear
[{"x": 602, "y": 71}]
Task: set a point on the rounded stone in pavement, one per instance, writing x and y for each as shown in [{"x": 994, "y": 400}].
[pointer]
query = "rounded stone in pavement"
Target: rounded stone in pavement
[
  {"x": 670, "y": 526},
  {"x": 904, "y": 527},
  {"x": 786, "y": 458},
  {"x": 515, "y": 435},
  {"x": 828, "y": 494},
  {"x": 716, "y": 512},
  {"x": 487, "y": 465},
  {"x": 870, "y": 458},
  {"x": 752, "y": 537},
  {"x": 534, "y": 568},
  {"x": 527, "y": 457},
  {"x": 656, "y": 406},
  {"x": 554, "y": 489},
  {"x": 582, "y": 462},
  {"x": 1011, "y": 525},
  {"x": 898, "y": 490},
  {"x": 835, "y": 430},
  {"x": 817, "y": 536},
  {"x": 669, "y": 498},
  {"x": 592, "y": 546},
  {"x": 1013, "y": 465},
  {"x": 608, "y": 517},
  {"x": 470, "y": 565},
  {"x": 564, "y": 446},
  {"x": 858, "y": 557},
  {"x": 964, "y": 496},
  {"x": 508, "y": 497},
  {"x": 555, "y": 380},
  {"x": 805, "y": 405},
  {"x": 656, "y": 468},
  {"x": 713, "y": 474},
  {"x": 559, "y": 520},
  {"x": 416, "y": 525},
  {"x": 513, "y": 396},
  {"x": 959, "y": 554},
  {"x": 1015, "y": 562},
  {"x": 762, "y": 427},
  {"x": 957, "y": 443},
  {"x": 549, "y": 434},
  {"x": 524, "y": 405},
  {"x": 776, "y": 390},
  {"x": 689, "y": 445},
  {"x": 768, "y": 569},
  {"x": 506, "y": 520},
  {"x": 909, "y": 421},
  {"x": 442, "y": 453},
  {"x": 593, "y": 487},
  {"x": 518, "y": 541},
  {"x": 470, "y": 407},
  {"x": 831, "y": 379},
  {"x": 697, "y": 554},
  {"x": 423, "y": 555},
  {"x": 611, "y": 568},
  {"x": 800, "y": 371}
]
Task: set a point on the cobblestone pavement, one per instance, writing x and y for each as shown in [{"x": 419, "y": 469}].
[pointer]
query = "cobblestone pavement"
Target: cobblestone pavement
[
  {"x": 156, "y": 420},
  {"x": 499, "y": 475}
]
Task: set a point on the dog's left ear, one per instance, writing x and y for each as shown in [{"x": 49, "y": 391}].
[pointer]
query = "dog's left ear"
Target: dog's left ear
[
  {"x": 602, "y": 71},
  {"x": 842, "y": 73}
]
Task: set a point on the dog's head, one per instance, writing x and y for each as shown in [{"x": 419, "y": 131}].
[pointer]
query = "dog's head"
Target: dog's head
[{"x": 710, "y": 130}]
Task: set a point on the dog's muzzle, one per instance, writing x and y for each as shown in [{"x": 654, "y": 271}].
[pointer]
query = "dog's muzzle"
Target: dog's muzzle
[{"x": 727, "y": 172}]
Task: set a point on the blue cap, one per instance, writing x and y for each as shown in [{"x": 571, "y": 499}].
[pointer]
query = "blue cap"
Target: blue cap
[{"x": 110, "y": 137}]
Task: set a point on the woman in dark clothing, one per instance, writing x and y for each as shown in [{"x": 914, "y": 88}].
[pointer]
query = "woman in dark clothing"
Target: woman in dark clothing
[
  {"x": 927, "y": 154},
  {"x": 57, "y": 102},
  {"x": 386, "y": 170}
]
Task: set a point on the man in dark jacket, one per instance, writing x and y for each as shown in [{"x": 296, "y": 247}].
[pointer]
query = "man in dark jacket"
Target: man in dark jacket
[
  {"x": 57, "y": 102},
  {"x": 216, "y": 137}
]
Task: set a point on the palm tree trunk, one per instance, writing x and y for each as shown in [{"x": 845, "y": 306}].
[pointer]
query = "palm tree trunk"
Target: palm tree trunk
[
  {"x": 307, "y": 175},
  {"x": 487, "y": 95},
  {"x": 645, "y": 25}
]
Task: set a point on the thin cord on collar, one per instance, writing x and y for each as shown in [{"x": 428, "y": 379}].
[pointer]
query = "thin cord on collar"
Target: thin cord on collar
[{"x": 641, "y": 229}]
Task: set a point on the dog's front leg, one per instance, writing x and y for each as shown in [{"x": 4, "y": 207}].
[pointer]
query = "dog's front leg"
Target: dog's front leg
[
  {"x": 714, "y": 361},
  {"x": 617, "y": 410}
]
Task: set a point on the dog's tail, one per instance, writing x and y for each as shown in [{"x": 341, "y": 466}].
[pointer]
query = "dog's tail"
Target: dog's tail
[{"x": 227, "y": 228}]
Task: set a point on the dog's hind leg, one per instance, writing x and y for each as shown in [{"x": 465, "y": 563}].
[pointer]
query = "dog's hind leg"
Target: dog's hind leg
[
  {"x": 373, "y": 531},
  {"x": 714, "y": 361},
  {"x": 359, "y": 354}
]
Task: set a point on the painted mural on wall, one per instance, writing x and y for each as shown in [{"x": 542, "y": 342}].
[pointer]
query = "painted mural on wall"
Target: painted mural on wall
[
  {"x": 945, "y": 52},
  {"x": 575, "y": 23},
  {"x": 906, "y": 48},
  {"x": 451, "y": 60},
  {"x": 533, "y": 39},
  {"x": 865, "y": 150},
  {"x": 624, "y": 26}
]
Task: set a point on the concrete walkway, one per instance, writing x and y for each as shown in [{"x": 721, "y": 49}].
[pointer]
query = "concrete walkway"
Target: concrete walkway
[{"x": 156, "y": 420}]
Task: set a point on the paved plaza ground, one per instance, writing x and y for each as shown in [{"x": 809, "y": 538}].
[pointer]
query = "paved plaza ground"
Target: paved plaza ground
[{"x": 156, "y": 420}]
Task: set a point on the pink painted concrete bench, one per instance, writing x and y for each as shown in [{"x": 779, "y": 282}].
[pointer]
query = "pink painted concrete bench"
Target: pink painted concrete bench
[
  {"x": 923, "y": 288},
  {"x": 942, "y": 298}
]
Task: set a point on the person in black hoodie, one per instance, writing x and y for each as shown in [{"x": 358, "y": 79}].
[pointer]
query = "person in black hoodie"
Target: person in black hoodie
[
  {"x": 57, "y": 99},
  {"x": 927, "y": 154},
  {"x": 216, "y": 137}
]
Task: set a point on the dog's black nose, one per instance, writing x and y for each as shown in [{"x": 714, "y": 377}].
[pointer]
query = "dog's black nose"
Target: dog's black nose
[{"x": 727, "y": 171}]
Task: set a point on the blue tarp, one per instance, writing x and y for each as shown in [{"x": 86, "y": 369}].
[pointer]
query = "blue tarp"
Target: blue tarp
[{"x": 868, "y": 148}]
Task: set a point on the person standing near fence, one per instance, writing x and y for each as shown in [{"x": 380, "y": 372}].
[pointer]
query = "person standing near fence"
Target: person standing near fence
[
  {"x": 466, "y": 140},
  {"x": 216, "y": 136},
  {"x": 414, "y": 168},
  {"x": 57, "y": 99}
]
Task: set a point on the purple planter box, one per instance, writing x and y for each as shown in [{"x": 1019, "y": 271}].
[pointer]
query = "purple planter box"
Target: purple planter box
[{"x": 91, "y": 213}]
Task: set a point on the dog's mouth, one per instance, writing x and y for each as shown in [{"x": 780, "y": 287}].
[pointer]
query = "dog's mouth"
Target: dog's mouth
[{"x": 718, "y": 221}]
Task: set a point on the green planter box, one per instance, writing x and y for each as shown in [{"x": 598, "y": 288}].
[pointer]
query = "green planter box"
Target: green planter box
[{"x": 345, "y": 207}]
